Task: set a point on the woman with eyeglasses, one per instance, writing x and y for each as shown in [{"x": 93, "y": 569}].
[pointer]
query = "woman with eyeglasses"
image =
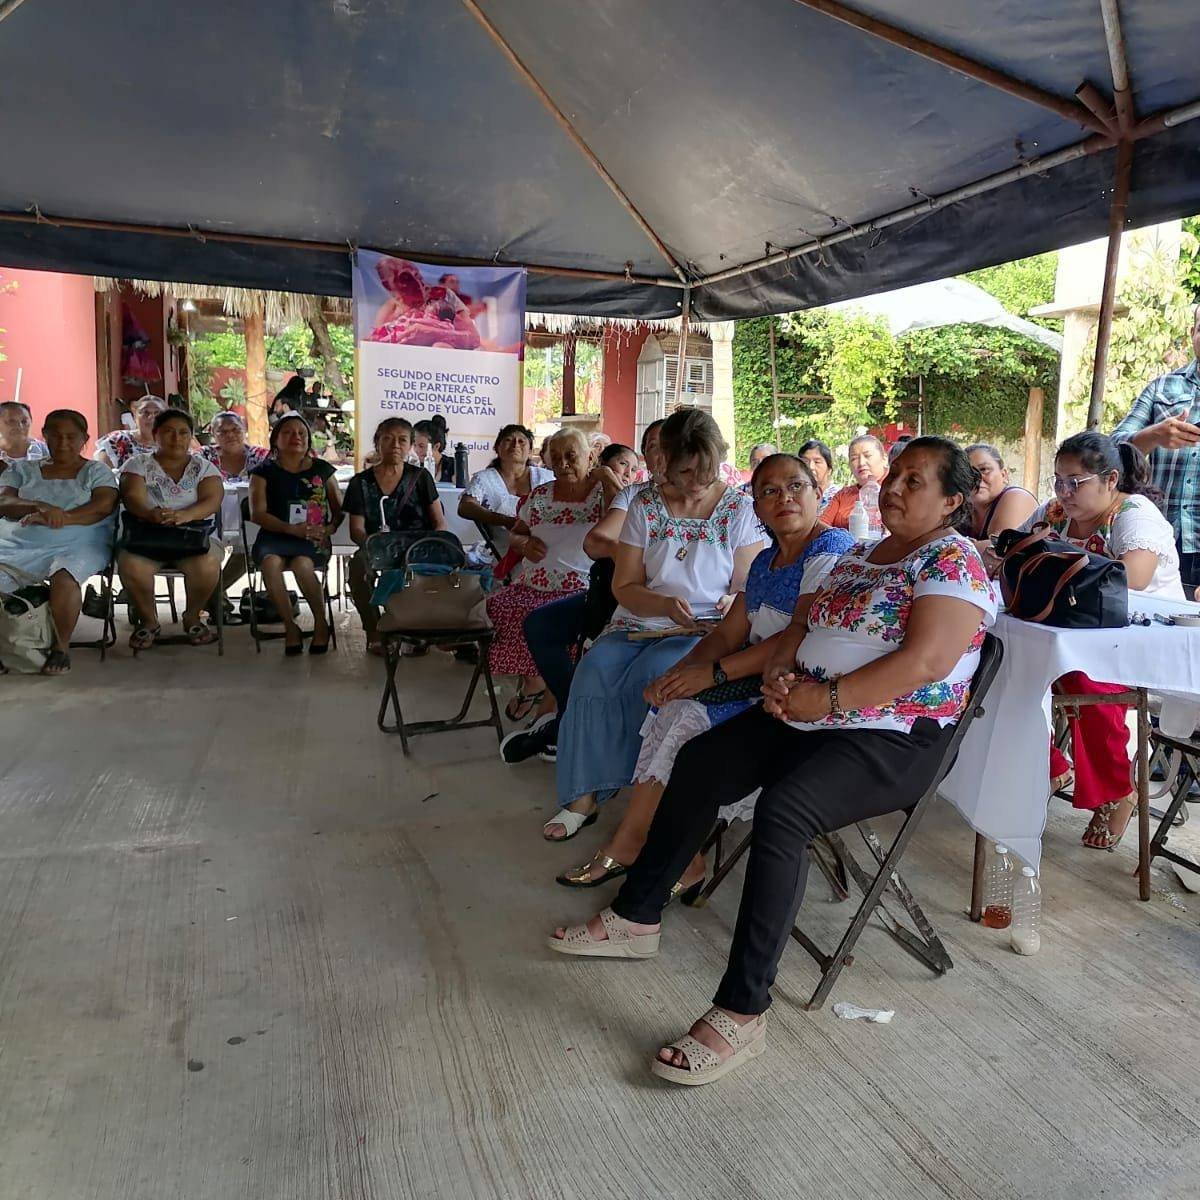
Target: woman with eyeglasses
[
  {"x": 784, "y": 576},
  {"x": 1104, "y": 503}
]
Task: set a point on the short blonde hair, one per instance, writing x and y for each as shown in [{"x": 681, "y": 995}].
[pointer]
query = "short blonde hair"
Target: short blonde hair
[
  {"x": 568, "y": 434},
  {"x": 692, "y": 433}
]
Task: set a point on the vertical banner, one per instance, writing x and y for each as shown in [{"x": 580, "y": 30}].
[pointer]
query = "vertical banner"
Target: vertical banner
[{"x": 431, "y": 340}]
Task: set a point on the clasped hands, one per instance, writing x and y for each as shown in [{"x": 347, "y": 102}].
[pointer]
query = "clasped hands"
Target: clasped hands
[{"x": 790, "y": 698}]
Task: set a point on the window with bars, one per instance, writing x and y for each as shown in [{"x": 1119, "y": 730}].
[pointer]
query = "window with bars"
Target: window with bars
[{"x": 697, "y": 380}]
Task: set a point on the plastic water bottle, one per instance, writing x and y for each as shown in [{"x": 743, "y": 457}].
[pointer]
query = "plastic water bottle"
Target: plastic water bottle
[
  {"x": 998, "y": 889},
  {"x": 1026, "y": 913},
  {"x": 460, "y": 466},
  {"x": 868, "y": 496},
  {"x": 860, "y": 525}
]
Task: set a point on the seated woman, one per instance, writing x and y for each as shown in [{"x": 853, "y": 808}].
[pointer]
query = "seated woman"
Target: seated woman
[
  {"x": 120, "y": 446},
  {"x": 861, "y": 699},
  {"x": 549, "y": 537},
  {"x": 997, "y": 504},
  {"x": 170, "y": 487},
  {"x": 622, "y": 461},
  {"x": 395, "y": 491},
  {"x": 683, "y": 547},
  {"x": 1106, "y": 505},
  {"x": 15, "y": 443},
  {"x": 295, "y": 502},
  {"x": 429, "y": 449},
  {"x": 494, "y": 493},
  {"x": 56, "y": 523},
  {"x": 235, "y": 459},
  {"x": 782, "y": 581},
  {"x": 820, "y": 461}
]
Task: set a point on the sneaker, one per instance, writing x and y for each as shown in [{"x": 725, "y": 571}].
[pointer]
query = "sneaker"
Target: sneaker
[
  {"x": 525, "y": 743},
  {"x": 550, "y": 754}
]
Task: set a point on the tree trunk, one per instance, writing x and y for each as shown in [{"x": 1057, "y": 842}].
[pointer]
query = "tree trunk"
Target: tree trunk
[
  {"x": 323, "y": 344},
  {"x": 254, "y": 327}
]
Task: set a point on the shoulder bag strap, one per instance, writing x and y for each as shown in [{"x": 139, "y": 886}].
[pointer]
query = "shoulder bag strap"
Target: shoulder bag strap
[{"x": 1081, "y": 561}]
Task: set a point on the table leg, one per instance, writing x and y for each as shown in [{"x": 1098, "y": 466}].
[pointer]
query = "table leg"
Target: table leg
[
  {"x": 977, "y": 877},
  {"x": 1143, "y": 789}
]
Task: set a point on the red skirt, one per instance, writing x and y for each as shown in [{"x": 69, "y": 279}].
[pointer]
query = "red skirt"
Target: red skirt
[{"x": 508, "y": 607}]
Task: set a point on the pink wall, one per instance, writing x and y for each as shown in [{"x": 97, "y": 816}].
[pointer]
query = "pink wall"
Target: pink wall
[
  {"x": 621, "y": 350},
  {"x": 49, "y": 331}
]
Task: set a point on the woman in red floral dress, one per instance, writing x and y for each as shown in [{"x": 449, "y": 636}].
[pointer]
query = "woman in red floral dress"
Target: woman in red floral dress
[{"x": 554, "y": 520}]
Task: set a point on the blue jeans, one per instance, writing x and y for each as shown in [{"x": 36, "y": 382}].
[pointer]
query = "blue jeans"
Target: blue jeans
[
  {"x": 600, "y": 730},
  {"x": 551, "y": 633}
]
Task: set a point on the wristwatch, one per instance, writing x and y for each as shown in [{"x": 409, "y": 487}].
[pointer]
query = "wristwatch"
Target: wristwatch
[{"x": 719, "y": 676}]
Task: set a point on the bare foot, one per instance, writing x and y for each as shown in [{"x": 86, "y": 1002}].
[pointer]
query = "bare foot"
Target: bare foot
[{"x": 706, "y": 1035}]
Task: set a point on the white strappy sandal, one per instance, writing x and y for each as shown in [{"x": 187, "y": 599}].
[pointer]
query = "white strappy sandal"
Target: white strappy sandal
[
  {"x": 620, "y": 943},
  {"x": 704, "y": 1064},
  {"x": 571, "y": 821}
]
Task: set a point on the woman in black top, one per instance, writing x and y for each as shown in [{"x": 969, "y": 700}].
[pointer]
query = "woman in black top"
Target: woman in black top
[
  {"x": 395, "y": 491},
  {"x": 294, "y": 499},
  {"x": 429, "y": 445}
]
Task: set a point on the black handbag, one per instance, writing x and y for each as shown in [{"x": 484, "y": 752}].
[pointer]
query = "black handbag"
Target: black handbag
[
  {"x": 265, "y": 612},
  {"x": 1046, "y": 579},
  {"x": 164, "y": 543}
]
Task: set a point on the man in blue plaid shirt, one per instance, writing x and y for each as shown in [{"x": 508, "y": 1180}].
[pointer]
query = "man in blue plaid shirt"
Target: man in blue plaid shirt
[{"x": 1164, "y": 423}]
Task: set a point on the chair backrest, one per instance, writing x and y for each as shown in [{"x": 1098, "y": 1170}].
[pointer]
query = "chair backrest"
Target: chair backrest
[{"x": 600, "y": 603}]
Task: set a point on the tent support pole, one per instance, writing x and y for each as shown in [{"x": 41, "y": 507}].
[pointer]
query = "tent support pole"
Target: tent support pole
[
  {"x": 564, "y": 122},
  {"x": 1115, "y": 39},
  {"x": 685, "y": 319},
  {"x": 1068, "y": 109},
  {"x": 1116, "y": 223},
  {"x": 774, "y": 389},
  {"x": 342, "y": 248},
  {"x": 8, "y": 7}
]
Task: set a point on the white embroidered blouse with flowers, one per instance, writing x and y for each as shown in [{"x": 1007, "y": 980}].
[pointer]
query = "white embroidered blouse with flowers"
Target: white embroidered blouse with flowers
[
  {"x": 562, "y": 525},
  {"x": 688, "y": 557},
  {"x": 861, "y": 613}
]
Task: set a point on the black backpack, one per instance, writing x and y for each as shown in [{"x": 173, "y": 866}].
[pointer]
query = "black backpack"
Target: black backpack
[{"x": 1046, "y": 579}]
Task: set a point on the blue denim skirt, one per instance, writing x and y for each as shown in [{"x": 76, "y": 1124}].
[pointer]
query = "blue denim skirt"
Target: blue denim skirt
[{"x": 599, "y": 735}]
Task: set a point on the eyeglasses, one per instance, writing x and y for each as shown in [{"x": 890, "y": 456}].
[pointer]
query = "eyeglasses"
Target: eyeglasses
[
  {"x": 795, "y": 489},
  {"x": 1068, "y": 487}
]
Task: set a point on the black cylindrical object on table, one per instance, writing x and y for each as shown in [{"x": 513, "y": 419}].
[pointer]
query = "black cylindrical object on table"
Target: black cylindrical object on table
[{"x": 460, "y": 465}]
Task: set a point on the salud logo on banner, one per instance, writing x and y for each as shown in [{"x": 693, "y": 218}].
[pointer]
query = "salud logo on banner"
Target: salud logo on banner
[{"x": 432, "y": 341}]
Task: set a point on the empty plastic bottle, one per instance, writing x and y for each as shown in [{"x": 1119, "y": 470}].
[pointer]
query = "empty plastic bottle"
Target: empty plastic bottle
[
  {"x": 1025, "y": 934},
  {"x": 998, "y": 889},
  {"x": 868, "y": 494}
]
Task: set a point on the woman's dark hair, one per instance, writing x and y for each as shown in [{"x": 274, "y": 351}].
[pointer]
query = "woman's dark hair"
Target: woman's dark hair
[
  {"x": 173, "y": 414},
  {"x": 66, "y": 414},
  {"x": 389, "y": 423},
  {"x": 1100, "y": 455},
  {"x": 292, "y": 416},
  {"x": 505, "y": 431},
  {"x": 435, "y": 430},
  {"x": 18, "y": 404},
  {"x": 651, "y": 428},
  {"x": 988, "y": 449},
  {"x": 955, "y": 474},
  {"x": 820, "y": 447},
  {"x": 689, "y": 433},
  {"x": 614, "y": 450}
]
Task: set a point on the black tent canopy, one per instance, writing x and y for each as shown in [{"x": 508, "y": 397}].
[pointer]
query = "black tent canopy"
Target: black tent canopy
[{"x": 739, "y": 156}]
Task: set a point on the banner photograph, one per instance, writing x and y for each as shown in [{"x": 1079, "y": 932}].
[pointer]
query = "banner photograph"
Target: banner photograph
[{"x": 432, "y": 341}]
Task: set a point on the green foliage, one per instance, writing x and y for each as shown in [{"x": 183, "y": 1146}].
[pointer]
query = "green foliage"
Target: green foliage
[
  {"x": 1148, "y": 340},
  {"x": 1189, "y": 258},
  {"x": 234, "y": 392},
  {"x": 1021, "y": 285}
]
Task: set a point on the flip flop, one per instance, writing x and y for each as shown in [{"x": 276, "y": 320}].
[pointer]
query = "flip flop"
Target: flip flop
[
  {"x": 200, "y": 635},
  {"x": 586, "y": 877},
  {"x": 58, "y": 662},
  {"x": 521, "y": 705},
  {"x": 143, "y": 637},
  {"x": 620, "y": 943},
  {"x": 572, "y": 822},
  {"x": 704, "y": 1064}
]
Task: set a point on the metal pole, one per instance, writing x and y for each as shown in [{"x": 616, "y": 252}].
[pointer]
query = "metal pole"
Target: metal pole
[
  {"x": 1115, "y": 39},
  {"x": 957, "y": 62},
  {"x": 685, "y": 318},
  {"x": 564, "y": 122},
  {"x": 1116, "y": 223},
  {"x": 774, "y": 389},
  {"x": 1143, "y": 791},
  {"x": 8, "y": 7}
]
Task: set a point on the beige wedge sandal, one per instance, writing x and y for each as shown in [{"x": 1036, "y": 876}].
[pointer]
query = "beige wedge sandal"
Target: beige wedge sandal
[
  {"x": 704, "y": 1064},
  {"x": 620, "y": 943}
]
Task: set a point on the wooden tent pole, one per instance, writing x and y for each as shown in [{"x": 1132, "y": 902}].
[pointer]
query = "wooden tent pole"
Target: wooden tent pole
[
  {"x": 1033, "y": 440},
  {"x": 774, "y": 389},
  {"x": 254, "y": 328},
  {"x": 685, "y": 317},
  {"x": 8, "y": 7}
]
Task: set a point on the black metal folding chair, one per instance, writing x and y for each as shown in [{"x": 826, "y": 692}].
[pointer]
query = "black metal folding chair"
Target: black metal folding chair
[
  {"x": 1188, "y": 750},
  {"x": 254, "y": 579},
  {"x": 105, "y": 603},
  {"x": 388, "y": 552},
  {"x": 839, "y": 866}
]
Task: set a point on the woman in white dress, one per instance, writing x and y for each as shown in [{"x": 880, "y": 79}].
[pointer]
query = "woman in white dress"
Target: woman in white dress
[
  {"x": 1104, "y": 503},
  {"x": 495, "y": 493},
  {"x": 56, "y": 523}
]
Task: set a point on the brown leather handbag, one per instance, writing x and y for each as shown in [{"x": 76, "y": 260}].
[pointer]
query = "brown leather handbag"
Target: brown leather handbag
[{"x": 1046, "y": 579}]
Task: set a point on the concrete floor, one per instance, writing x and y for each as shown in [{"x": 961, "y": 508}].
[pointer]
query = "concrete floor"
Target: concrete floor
[{"x": 248, "y": 950}]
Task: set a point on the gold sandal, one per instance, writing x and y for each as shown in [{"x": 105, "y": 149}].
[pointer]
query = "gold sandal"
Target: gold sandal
[
  {"x": 587, "y": 877},
  {"x": 1107, "y": 839}
]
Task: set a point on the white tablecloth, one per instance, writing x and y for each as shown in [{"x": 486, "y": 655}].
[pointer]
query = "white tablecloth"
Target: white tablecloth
[{"x": 1001, "y": 781}]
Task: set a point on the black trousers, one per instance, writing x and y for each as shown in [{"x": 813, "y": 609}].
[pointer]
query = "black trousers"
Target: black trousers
[
  {"x": 813, "y": 782},
  {"x": 1189, "y": 570}
]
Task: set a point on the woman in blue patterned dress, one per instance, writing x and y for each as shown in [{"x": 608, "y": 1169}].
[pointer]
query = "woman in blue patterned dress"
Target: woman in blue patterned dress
[{"x": 784, "y": 577}]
